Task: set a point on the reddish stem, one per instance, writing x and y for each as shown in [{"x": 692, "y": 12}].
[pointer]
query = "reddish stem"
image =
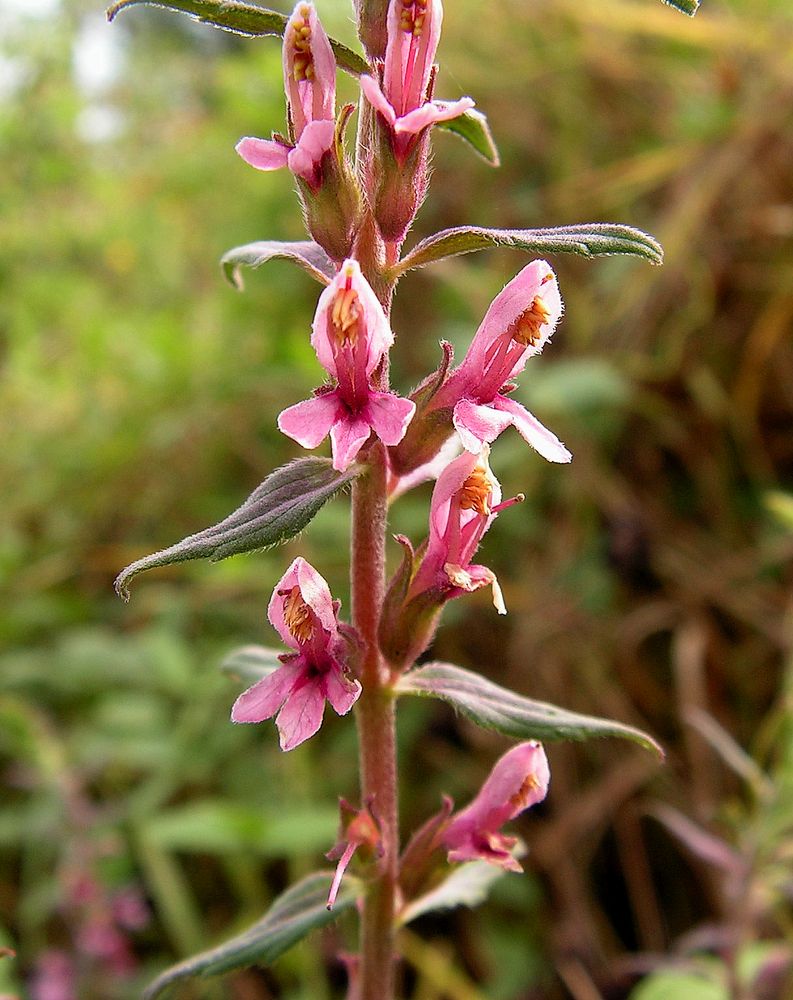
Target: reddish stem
[{"x": 376, "y": 727}]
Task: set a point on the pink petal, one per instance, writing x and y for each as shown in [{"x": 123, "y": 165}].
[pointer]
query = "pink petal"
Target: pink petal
[
  {"x": 324, "y": 106},
  {"x": 496, "y": 851},
  {"x": 474, "y": 578},
  {"x": 478, "y": 424},
  {"x": 309, "y": 100},
  {"x": 532, "y": 431},
  {"x": 347, "y": 436},
  {"x": 315, "y": 140},
  {"x": 388, "y": 416},
  {"x": 379, "y": 337},
  {"x": 376, "y": 336},
  {"x": 513, "y": 299},
  {"x": 449, "y": 482},
  {"x": 310, "y": 422},
  {"x": 264, "y": 154},
  {"x": 315, "y": 592},
  {"x": 266, "y": 696},
  {"x": 341, "y": 691},
  {"x": 408, "y": 60},
  {"x": 375, "y": 96},
  {"x": 518, "y": 781},
  {"x": 302, "y": 714},
  {"x": 430, "y": 113}
]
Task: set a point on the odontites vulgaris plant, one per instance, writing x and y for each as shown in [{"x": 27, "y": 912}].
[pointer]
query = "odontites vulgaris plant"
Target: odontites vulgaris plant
[{"x": 359, "y": 202}]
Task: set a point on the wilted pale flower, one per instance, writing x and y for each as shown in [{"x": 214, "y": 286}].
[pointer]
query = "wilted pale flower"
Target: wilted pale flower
[{"x": 304, "y": 614}]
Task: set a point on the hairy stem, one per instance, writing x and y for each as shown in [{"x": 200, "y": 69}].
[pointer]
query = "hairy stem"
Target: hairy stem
[{"x": 376, "y": 727}]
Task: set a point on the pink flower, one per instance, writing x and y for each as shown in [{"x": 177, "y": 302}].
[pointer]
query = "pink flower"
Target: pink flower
[
  {"x": 465, "y": 501},
  {"x": 517, "y": 325},
  {"x": 351, "y": 336},
  {"x": 518, "y": 780},
  {"x": 310, "y": 84},
  {"x": 414, "y": 28},
  {"x": 305, "y": 615}
]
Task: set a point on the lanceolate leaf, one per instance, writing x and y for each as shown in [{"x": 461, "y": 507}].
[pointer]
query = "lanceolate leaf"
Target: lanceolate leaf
[
  {"x": 243, "y": 19},
  {"x": 587, "y": 240},
  {"x": 494, "y": 707},
  {"x": 277, "y": 510},
  {"x": 251, "y": 663},
  {"x": 468, "y": 885},
  {"x": 292, "y": 916},
  {"x": 309, "y": 255},
  {"x": 473, "y": 127}
]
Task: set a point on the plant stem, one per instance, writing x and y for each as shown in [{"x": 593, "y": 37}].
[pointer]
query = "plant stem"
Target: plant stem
[{"x": 375, "y": 714}]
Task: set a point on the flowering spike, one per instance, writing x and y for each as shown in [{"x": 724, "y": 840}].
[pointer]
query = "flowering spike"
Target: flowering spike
[
  {"x": 518, "y": 781},
  {"x": 304, "y": 614},
  {"x": 351, "y": 336}
]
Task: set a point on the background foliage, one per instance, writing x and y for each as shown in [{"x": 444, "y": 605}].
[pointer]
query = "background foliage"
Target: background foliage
[{"x": 649, "y": 581}]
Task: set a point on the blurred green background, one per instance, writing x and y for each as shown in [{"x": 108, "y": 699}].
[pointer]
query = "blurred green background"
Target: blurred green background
[{"x": 649, "y": 581}]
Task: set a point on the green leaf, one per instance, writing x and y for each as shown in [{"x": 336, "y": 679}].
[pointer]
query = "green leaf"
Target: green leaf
[
  {"x": 593, "y": 239},
  {"x": 467, "y": 885},
  {"x": 251, "y": 663},
  {"x": 243, "y": 19},
  {"x": 301, "y": 909},
  {"x": 689, "y": 7},
  {"x": 494, "y": 707},
  {"x": 472, "y": 126},
  {"x": 307, "y": 254},
  {"x": 277, "y": 510}
]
